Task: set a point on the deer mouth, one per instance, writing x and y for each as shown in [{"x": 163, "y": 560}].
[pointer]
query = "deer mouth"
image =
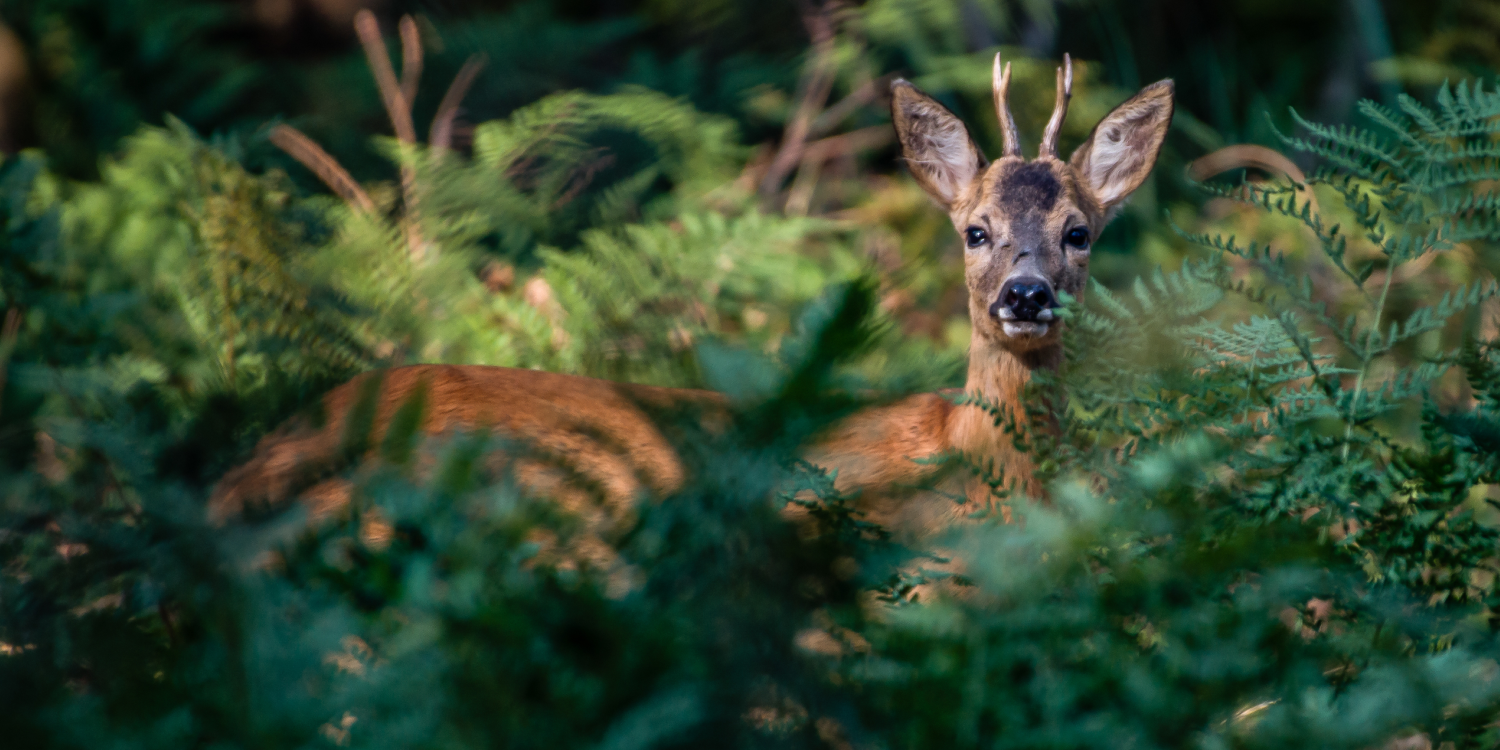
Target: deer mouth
[
  {"x": 1024, "y": 329},
  {"x": 1036, "y": 325}
]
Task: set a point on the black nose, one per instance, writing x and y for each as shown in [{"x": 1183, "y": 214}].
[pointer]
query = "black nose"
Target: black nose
[{"x": 1025, "y": 297}]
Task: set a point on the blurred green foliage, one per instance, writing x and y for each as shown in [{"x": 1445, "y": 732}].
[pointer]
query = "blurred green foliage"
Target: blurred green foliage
[{"x": 1270, "y": 519}]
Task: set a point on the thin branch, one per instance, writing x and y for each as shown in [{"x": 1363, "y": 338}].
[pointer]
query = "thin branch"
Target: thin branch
[
  {"x": 416, "y": 244},
  {"x": 379, "y": 59},
  {"x": 411, "y": 61},
  {"x": 333, "y": 174},
  {"x": 399, "y": 109},
  {"x": 842, "y": 109},
  {"x": 852, "y": 142},
  {"x": 440, "y": 135},
  {"x": 580, "y": 180},
  {"x": 866, "y": 85},
  {"x": 815, "y": 86},
  {"x": 10, "y": 330},
  {"x": 815, "y": 154}
]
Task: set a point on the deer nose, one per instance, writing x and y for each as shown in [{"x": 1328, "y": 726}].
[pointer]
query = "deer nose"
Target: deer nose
[{"x": 1025, "y": 298}]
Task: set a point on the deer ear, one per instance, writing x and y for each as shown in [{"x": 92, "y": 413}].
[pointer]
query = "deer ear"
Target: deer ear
[
  {"x": 1116, "y": 158},
  {"x": 935, "y": 142}
]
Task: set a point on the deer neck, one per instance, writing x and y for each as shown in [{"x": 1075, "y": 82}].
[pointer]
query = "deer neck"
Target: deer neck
[{"x": 998, "y": 377}]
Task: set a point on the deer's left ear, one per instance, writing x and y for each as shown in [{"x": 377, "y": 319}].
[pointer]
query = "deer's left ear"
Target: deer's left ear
[{"x": 1116, "y": 158}]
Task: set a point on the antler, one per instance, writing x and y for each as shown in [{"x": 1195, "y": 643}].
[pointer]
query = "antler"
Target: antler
[
  {"x": 1001, "y": 85},
  {"x": 1059, "y": 110}
]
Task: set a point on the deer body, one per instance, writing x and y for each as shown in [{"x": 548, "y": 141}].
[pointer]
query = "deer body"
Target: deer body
[
  {"x": 1027, "y": 226},
  {"x": 599, "y": 431}
]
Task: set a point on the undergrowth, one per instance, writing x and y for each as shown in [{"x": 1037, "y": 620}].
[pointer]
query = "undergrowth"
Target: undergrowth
[{"x": 1264, "y": 527}]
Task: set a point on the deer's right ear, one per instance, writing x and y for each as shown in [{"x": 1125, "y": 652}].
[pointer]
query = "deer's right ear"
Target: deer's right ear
[{"x": 935, "y": 142}]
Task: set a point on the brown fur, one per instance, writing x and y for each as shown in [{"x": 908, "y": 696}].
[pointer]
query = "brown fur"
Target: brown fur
[
  {"x": 590, "y": 431},
  {"x": 603, "y": 435}
]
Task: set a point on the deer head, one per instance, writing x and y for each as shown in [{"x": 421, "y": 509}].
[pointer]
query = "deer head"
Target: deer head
[{"x": 1027, "y": 226}]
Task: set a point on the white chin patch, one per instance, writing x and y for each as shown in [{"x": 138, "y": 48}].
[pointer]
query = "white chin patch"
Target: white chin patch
[{"x": 1024, "y": 330}]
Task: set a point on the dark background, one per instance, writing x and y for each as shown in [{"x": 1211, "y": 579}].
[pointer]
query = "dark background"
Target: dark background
[{"x": 80, "y": 74}]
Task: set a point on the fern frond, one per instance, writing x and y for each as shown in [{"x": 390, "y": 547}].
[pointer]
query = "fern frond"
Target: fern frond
[{"x": 1360, "y": 152}]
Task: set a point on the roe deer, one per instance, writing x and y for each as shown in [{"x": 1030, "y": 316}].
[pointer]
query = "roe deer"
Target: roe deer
[{"x": 1027, "y": 227}]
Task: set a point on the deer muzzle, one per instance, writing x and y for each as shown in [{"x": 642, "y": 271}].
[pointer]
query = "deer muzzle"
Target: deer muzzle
[
  {"x": 1024, "y": 306},
  {"x": 1025, "y": 299}
]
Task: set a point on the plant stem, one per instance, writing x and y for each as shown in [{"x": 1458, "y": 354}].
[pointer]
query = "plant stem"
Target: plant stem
[{"x": 1367, "y": 356}]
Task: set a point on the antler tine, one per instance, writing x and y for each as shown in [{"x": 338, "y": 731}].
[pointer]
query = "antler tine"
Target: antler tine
[
  {"x": 1060, "y": 109},
  {"x": 1001, "y": 84}
]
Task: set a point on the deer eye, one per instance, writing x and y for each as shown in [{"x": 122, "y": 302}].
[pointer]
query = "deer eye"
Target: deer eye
[
  {"x": 976, "y": 236},
  {"x": 1077, "y": 237}
]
